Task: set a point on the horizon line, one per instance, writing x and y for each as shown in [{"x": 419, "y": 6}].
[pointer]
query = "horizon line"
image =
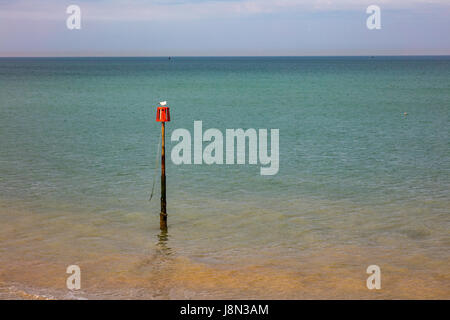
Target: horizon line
[{"x": 230, "y": 56}]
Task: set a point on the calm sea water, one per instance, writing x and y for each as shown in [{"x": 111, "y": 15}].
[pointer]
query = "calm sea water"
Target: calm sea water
[{"x": 360, "y": 182}]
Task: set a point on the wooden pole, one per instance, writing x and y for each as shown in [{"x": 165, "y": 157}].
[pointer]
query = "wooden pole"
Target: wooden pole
[{"x": 163, "y": 214}]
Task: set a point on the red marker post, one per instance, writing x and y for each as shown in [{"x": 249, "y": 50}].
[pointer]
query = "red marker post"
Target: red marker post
[{"x": 163, "y": 115}]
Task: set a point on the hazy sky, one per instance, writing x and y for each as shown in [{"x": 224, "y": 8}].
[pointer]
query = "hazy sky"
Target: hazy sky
[{"x": 223, "y": 27}]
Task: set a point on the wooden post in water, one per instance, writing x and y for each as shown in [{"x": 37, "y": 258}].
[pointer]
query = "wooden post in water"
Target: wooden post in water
[
  {"x": 163, "y": 214},
  {"x": 163, "y": 115}
]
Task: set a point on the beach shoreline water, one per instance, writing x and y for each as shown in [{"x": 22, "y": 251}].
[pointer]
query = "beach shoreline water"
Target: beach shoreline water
[{"x": 160, "y": 267}]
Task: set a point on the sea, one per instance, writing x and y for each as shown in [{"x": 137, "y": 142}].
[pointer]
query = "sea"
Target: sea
[{"x": 363, "y": 179}]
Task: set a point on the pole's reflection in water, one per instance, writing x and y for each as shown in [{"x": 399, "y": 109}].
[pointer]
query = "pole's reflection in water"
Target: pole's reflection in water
[{"x": 162, "y": 247}]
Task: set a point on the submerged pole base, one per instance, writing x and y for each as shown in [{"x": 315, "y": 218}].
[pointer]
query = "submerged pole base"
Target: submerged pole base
[{"x": 163, "y": 221}]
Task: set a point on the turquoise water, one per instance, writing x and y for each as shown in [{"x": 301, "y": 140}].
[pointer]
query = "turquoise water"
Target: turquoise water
[{"x": 359, "y": 183}]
